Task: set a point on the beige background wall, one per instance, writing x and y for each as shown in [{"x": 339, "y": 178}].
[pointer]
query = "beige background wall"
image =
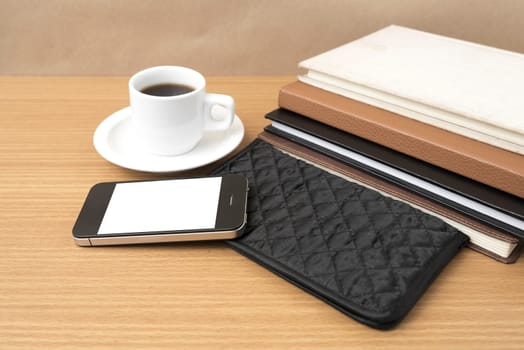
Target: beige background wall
[{"x": 224, "y": 37}]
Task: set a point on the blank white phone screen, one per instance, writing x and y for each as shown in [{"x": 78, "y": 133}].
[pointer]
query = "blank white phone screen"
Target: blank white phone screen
[{"x": 183, "y": 204}]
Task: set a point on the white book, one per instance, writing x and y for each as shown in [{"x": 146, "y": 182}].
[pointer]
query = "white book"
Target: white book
[{"x": 469, "y": 89}]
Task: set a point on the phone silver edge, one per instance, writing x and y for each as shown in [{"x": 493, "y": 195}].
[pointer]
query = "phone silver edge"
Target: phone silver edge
[{"x": 158, "y": 238}]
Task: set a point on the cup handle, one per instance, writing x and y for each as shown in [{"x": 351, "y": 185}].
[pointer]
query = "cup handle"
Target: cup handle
[{"x": 223, "y": 119}]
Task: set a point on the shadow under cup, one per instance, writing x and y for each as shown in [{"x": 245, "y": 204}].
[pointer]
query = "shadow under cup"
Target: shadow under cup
[{"x": 173, "y": 124}]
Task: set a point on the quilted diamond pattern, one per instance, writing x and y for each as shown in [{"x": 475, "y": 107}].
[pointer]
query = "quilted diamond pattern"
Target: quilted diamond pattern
[{"x": 347, "y": 240}]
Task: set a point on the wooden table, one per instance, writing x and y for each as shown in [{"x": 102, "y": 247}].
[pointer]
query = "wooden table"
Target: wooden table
[{"x": 56, "y": 295}]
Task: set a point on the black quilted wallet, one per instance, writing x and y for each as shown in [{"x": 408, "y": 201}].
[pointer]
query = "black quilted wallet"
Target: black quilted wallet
[{"x": 368, "y": 255}]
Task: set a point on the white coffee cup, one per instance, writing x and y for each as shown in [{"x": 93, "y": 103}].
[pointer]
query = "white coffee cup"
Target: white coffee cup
[{"x": 172, "y": 125}]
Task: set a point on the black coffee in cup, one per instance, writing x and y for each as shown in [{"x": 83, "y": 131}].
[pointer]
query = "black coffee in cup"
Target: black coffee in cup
[{"x": 167, "y": 89}]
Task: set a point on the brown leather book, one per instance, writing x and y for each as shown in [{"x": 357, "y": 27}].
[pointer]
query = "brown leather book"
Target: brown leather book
[{"x": 484, "y": 163}]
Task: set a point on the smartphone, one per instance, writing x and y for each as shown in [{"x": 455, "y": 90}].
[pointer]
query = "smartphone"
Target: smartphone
[{"x": 159, "y": 211}]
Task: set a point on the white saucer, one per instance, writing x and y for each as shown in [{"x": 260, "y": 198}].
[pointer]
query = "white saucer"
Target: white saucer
[{"x": 112, "y": 139}]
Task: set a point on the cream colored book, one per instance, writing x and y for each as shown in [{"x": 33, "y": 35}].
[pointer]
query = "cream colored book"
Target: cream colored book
[{"x": 466, "y": 88}]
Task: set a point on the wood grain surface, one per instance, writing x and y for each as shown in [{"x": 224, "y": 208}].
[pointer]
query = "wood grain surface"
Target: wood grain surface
[{"x": 55, "y": 295}]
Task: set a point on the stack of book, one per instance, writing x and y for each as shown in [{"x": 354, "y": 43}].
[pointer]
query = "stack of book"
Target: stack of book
[{"x": 433, "y": 121}]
